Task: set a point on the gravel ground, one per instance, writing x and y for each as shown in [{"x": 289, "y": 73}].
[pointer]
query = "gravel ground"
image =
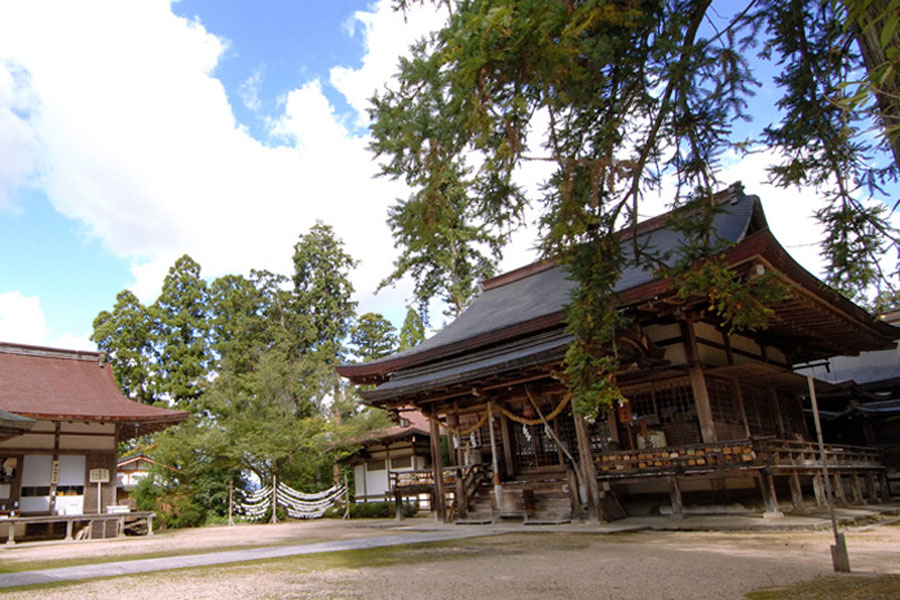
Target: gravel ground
[{"x": 646, "y": 565}]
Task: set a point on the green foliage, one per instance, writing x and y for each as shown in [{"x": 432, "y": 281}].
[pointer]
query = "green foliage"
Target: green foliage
[
  {"x": 322, "y": 289},
  {"x": 372, "y": 510},
  {"x": 253, "y": 359},
  {"x": 123, "y": 335},
  {"x": 181, "y": 334},
  {"x": 373, "y": 337},
  {"x": 617, "y": 97},
  {"x": 413, "y": 331}
]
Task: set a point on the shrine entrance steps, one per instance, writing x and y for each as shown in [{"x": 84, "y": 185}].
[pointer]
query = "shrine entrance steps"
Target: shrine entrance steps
[{"x": 534, "y": 502}]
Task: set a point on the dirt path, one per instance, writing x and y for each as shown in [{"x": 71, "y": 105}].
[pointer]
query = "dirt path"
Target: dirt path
[{"x": 647, "y": 565}]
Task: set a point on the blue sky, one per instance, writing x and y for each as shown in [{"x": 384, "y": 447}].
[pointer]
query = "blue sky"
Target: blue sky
[{"x": 133, "y": 133}]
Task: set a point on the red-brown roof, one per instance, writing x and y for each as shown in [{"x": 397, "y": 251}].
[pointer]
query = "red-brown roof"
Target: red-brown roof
[
  {"x": 69, "y": 384},
  {"x": 418, "y": 425}
]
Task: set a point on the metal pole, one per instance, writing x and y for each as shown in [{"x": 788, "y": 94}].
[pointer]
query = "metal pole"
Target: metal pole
[
  {"x": 498, "y": 489},
  {"x": 839, "y": 558}
]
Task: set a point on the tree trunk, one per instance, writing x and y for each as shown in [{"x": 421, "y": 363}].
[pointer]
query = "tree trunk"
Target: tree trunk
[{"x": 867, "y": 29}]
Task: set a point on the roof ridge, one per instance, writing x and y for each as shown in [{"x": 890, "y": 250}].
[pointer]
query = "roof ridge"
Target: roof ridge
[
  {"x": 48, "y": 352},
  {"x": 731, "y": 193}
]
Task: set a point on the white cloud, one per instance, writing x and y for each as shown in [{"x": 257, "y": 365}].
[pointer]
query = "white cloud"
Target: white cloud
[
  {"x": 112, "y": 109},
  {"x": 138, "y": 142},
  {"x": 249, "y": 90},
  {"x": 22, "y": 319},
  {"x": 17, "y": 140},
  {"x": 387, "y": 35}
]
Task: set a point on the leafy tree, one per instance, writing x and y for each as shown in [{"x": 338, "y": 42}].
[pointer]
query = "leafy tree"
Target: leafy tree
[
  {"x": 413, "y": 330},
  {"x": 124, "y": 336},
  {"x": 373, "y": 337},
  {"x": 180, "y": 334},
  {"x": 238, "y": 325},
  {"x": 616, "y": 96},
  {"x": 322, "y": 289},
  {"x": 322, "y": 295}
]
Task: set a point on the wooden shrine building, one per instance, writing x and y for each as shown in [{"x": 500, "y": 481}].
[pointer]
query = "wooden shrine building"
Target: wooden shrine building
[
  {"x": 390, "y": 453},
  {"x": 64, "y": 465},
  {"x": 711, "y": 416}
]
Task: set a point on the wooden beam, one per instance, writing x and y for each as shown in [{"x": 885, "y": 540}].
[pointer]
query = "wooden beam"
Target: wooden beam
[
  {"x": 796, "y": 493},
  {"x": 770, "y": 498},
  {"x": 739, "y": 395},
  {"x": 437, "y": 468},
  {"x": 675, "y": 497},
  {"x": 506, "y": 439},
  {"x": 855, "y": 489},
  {"x": 698, "y": 383}
]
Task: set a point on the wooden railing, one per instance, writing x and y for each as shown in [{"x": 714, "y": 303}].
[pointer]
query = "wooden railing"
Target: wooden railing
[
  {"x": 735, "y": 454},
  {"x": 421, "y": 478},
  {"x": 461, "y": 481},
  {"x": 791, "y": 454}
]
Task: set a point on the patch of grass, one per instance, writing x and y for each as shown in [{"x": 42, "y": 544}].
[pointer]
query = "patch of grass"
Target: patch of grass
[{"x": 850, "y": 587}]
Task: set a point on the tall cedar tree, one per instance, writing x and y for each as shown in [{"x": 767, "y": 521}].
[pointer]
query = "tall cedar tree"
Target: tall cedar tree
[
  {"x": 181, "y": 335},
  {"x": 413, "y": 330},
  {"x": 632, "y": 92},
  {"x": 124, "y": 336},
  {"x": 373, "y": 337}
]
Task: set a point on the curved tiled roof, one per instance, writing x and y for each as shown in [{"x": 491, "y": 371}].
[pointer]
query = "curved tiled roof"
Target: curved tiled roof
[
  {"x": 67, "y": 384},
  {"x": 531, "y": 300},
  {"x": 540, "y": 292}
]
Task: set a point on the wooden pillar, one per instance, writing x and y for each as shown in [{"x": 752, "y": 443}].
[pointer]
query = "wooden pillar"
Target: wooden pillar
[
  {"x": 462, "y": 500},
  {"x": 613, "y": 427},
  {"x": 591, "y": 492},
  {"x": 739, "y": 396},
  {"x": 574, "y": 499},
  {"x": 885, "y": 487},
  {"x": 776, "y": 407},
  {"x": 839, "y": 495},
  {"x": 437, "y": 469},
  {"x": 855, "y": 490},
  {"x": 495, "y": 461},
  {"x": 770, "y": 498},
  {"x": 819, "y": 489},
  {"x": 675, "y": 497},
  {"x": 701, "y": 399},
  {"x": 698, "y": 383},
  {"x": 398, "y": 505},
  {"x": 871, "y": 495},
  {"x": 796, "y": 493},
  {"x": 506, "y": 438}
]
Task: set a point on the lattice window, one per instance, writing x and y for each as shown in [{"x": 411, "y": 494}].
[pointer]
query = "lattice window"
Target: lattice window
[
  {"x": 600, "y": 436},
  {"x": 642, "y": 402},
  {"x": 791, "y": 415},
  {"x": 760, "y": 413},
  {"x": 722, "y": 401},
  {"x": 535, "y": 448},
  {"x": 674, "y": 401}
]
